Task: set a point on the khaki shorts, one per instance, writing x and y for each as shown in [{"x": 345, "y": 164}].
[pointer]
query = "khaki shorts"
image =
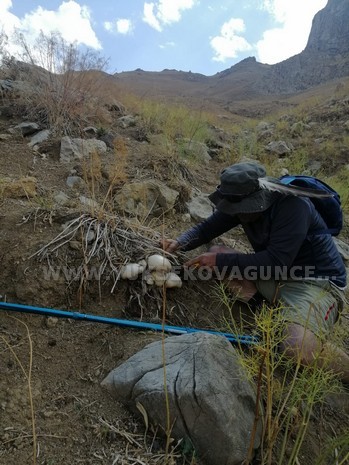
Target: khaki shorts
[{"x": 315, "y": 305}]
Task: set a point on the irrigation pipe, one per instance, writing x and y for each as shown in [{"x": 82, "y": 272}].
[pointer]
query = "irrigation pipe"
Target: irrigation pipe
[{"x": 237, "y": 339}]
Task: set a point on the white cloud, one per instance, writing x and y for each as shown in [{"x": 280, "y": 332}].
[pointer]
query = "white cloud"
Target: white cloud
[
  {"x": 167, "y": 45},
  {"x": 295, "y": 18},
  {"x": 123, "y": 26},
  {"x": 108, "y": 26},
  {"x": 8, "y": 21},
  {"x": 164, "y": 12},
  {"x": 72, "y": 20},
  {"x": 150, "y": 18},
  {"x": 229, "y": 43}
]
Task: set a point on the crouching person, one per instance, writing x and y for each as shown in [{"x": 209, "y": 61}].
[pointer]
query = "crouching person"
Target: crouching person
[{"x": 295, "y": 263}]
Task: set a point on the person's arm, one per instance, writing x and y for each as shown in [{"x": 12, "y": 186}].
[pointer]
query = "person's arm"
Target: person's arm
[
  {"x": 215, "y": 225},
  {"x": 289, "y": 228}
]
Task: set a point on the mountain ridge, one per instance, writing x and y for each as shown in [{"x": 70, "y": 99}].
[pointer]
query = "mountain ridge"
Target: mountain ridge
[{"x": 324, "y": 59}]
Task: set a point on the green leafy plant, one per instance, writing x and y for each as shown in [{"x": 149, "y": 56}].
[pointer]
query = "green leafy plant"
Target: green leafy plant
[{"x": 287, "y": 391}]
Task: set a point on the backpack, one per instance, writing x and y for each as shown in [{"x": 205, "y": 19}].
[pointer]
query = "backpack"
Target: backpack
[{"x": 329, "y": 208}]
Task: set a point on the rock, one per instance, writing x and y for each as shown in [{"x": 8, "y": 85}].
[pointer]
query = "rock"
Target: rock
[
  {"x": 186, "y": 217},
  {"x": 127, "y": 121},
  {"x": 76, "y": 149},
  {"x": 23, "y": 187},
  {"x": 284, "y": 172},
  {"x": 211, "y": 402},
  {"x": 39, "y": 137},
  {"x": 117, "y": 107},
  {"x": 5, "y": 137},
  {"x": 319, "y": 140},
  {"x": 88, "y": 202},
  {"x": 27, "y": 129},
  {"x": 51, "y": 321},
  {"x": 338, "y": 401},
  {"x": 90, "y": 131},
  {"x": 279, "y": 147},
  {"x": 263, "y": 135},
  {"x": 75, "y": 182},
  {"x": 6, "y": 85},
  {"x": 264, "y": 126},
  {"x": 346, "y": 125},
  {"x": 146, "y": 198},
  {"x": 108, "y": 139},
  {"x": 313, "y": 167},
  {"x": 200, "y": 207},
  {"x": 297, "y": 129},
  {"x": 61, "y": 198},
  {"x": 198, "y": 150}
]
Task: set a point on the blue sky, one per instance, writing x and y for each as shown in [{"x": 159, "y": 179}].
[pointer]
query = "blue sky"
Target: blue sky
[{"x": 203, "y": 36}]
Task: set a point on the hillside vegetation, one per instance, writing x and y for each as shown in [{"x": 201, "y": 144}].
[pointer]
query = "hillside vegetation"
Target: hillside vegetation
[{"x": 53, "y": 409}]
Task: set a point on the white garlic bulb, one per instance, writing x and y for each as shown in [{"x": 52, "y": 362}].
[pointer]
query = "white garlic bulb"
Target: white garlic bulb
[
  {"x": 159, "y": 263},
  {"x": 131, "y": 271},
  {"x": 173, "y": 280},
  {"x": 142, "y": 264},
  {"x": 159, "y": 278},
  {"x": 148, "y": 278}
]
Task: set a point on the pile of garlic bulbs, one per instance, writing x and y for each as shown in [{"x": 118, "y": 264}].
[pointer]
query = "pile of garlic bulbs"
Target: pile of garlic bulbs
[{"x": 157, "y": 272}]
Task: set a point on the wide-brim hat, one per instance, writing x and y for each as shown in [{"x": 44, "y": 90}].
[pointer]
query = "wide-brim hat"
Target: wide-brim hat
[{"x": 240, "y": 190}]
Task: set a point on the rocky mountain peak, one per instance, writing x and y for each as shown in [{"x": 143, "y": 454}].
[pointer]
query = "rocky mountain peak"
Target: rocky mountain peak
[{"x": 330, "y": 29}]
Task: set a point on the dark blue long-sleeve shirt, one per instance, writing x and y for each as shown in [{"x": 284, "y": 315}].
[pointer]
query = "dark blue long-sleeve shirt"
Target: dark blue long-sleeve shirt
[{"x": 284, "y": 236}]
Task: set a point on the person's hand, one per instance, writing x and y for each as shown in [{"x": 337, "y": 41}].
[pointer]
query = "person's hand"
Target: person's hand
[
  {"x": 207, "y": 259},
  {"x": 169, "y": 245}
]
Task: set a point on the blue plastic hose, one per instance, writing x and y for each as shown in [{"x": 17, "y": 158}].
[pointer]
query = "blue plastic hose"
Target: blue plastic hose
[{"x": 237, "y": 339}]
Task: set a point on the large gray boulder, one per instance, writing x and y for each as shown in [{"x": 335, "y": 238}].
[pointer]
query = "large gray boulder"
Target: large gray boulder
[
  {"x": 77, "y": 149},
  {"x": 279, "y": 147},
  {"x": 211, "y": 402},
  {"x": 146, "y": 198}
]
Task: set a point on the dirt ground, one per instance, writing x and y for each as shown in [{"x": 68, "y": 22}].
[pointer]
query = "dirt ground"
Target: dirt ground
[{"x": 64, "y": 361}]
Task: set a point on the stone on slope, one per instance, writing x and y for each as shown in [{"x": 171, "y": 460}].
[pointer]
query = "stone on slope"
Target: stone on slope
[{"x": 211, "y": 402}]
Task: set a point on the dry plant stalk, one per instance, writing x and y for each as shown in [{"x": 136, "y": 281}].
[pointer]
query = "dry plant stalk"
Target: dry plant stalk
[
  {"x": 117, "y": 171},
  {"x": 109, "y": 243}
]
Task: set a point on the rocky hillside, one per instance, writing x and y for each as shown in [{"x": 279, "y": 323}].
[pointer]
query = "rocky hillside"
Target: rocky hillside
[{"x": 85, "y": 194}]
